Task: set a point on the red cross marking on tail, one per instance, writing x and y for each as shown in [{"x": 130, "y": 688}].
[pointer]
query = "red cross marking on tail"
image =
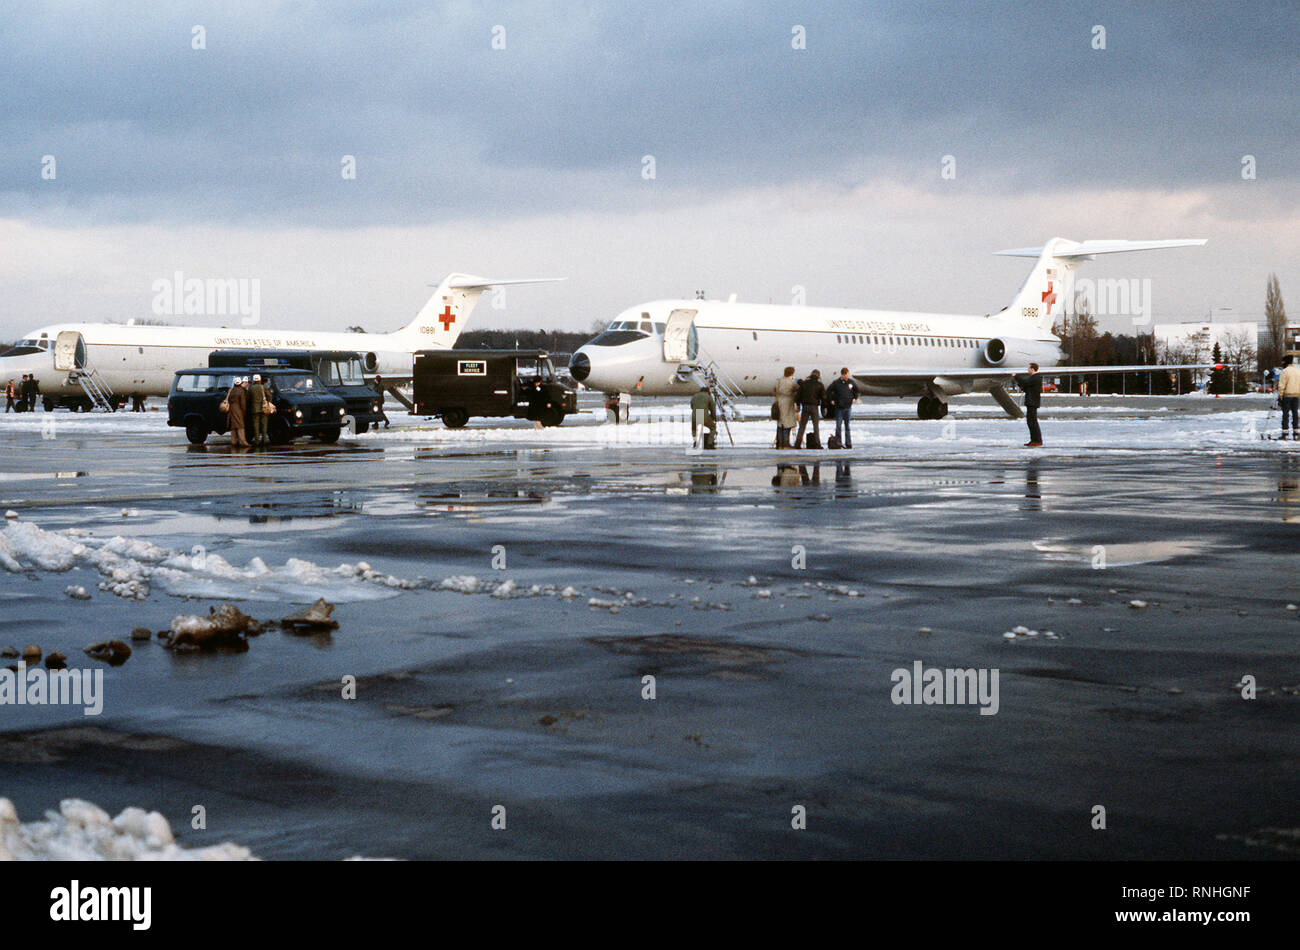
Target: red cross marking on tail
[
  {"x": 447, "y": 317},
  {"x": 1049, "y": 296}
]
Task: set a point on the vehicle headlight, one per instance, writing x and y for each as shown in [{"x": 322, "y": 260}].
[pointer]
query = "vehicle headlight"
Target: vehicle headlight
[
  {"x": 375, "y": 407},
  {"x": 297, "y": 413},
  {"x": 341, "y": 412}
]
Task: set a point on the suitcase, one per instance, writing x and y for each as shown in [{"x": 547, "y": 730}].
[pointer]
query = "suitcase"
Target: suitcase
[
  {"x": 811, "y": 441},
  {"x": 833, "y": 442}
]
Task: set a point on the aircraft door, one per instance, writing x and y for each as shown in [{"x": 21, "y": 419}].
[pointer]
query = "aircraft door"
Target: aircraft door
[
  {"x": 680, "y": 341},
  {"x": 69, "y": 351}
]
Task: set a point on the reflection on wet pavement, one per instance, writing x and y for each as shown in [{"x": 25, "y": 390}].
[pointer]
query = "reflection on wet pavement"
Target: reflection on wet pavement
[{"x": 768, "y": 597}]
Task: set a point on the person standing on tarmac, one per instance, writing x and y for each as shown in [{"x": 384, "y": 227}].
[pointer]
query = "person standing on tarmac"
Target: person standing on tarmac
[
  {"x": 1288, "y": 395},
  {"x": 843, "y": 393},
  {"x": 237, "y": 399},
  {"x": 383, "y": 416},
  {"x": 258, "y": 398},
  {"x": 787, "y": 413},
  {"x": 1031, "y": 384},
  {"x": 9, "y": 397},
  {"x": 704, "y": 420},
  {"x": 810, "y": 396},
  {"x": 537, "y": 404}
]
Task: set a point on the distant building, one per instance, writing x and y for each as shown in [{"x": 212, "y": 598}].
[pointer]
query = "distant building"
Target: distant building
[{"x": 1199, "y": 336}]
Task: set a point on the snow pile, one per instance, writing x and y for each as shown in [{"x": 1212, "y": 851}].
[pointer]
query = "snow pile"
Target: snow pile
[
  {"x": 502, "y": 590},
  {"x": 1023, "y": 632},
  {"x": 131, "y": 567},
  {"x": 82, "y": 831}
]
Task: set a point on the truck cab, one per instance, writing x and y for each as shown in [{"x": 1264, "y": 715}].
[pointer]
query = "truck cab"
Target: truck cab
[
  {"x": 342, "y": 373},
  {"x": 458, "y": 384},
  {"x": 303, "y": 405}
]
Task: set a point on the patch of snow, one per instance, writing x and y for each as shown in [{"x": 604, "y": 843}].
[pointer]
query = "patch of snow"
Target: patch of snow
[{"x": 82, "y": 831}]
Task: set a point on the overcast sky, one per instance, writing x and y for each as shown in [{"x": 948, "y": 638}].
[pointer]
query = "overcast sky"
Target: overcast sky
[{"x": 774, "y": 167}]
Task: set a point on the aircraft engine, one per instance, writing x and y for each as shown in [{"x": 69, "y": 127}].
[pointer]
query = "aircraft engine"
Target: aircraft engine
[{"x": 995, "y": 351}]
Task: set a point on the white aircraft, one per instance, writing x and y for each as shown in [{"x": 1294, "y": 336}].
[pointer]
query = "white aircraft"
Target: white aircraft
[
  {"x": 74, "y": 361},
  {"x": 664, "y": 348}
]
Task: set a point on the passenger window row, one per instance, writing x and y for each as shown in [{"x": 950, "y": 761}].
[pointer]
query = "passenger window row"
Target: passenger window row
[{"x": 875, "y": 339}]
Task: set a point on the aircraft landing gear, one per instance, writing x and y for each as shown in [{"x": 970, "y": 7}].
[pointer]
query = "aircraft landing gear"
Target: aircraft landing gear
[{"x": 931, "y": 407}]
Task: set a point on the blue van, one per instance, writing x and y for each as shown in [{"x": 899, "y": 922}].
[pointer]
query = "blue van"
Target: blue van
[
  {"x": 342, "y": 372},
  {"x": 303, "y": 405}
]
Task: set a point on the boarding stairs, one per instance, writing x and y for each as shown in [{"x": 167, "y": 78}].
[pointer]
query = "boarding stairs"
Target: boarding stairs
[
  {"x": 397, "y": 394},
  {"x": 93, "y": 385},
  {"x": 726, "y": 394}
]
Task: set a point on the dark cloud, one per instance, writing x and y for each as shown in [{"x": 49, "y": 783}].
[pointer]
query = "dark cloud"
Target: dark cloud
[{"x": 253, "y": 128}]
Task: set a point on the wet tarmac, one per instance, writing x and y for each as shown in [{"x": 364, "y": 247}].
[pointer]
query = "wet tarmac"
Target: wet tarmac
[{"x": 771, "y": 595}]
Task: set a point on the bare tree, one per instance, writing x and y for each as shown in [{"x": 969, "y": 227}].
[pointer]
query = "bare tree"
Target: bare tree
[
  {"x": 1239, "y": 352},
  {"x": 1275, "y": 318},
  {"x": 1079, "y": 337}
]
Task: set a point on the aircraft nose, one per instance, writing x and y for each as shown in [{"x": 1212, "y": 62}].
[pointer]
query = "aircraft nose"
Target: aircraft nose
[{"x": 580, "y": 366}]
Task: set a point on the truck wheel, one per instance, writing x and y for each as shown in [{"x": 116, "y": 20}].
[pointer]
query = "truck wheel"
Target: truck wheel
[
  {"x": 48, "y": 403},
  {"x": 196, "y": 432},
  {"x": 552, "y": 417},
  {"x": 330, "y": 436},
  {"x": 454, "y": 418},
  {"x": 362, "y": 427}
]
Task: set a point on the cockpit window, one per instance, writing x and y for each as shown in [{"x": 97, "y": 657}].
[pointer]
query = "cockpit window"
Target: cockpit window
[
  {"x": 642, "y": 326},
  {"x": 21, "y": 348},
  {"x": 659, "y": 328},
  {"x": 612, "y": 337}
]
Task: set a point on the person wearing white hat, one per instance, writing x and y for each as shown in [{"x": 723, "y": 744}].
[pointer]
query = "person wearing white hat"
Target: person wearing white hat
[
  {"x": 258, "y": 399},
  {"x": 236, "y": 405}
]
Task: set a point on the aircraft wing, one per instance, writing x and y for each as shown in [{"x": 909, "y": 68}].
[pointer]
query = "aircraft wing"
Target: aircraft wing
[
  {"x": 1075, "y": 370},
  {"x": 999, "y": 372}
]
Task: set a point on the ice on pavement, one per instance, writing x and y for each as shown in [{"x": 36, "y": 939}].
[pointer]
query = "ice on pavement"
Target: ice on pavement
[
  {"x": 82, "y": 831},
  {"x": 132, "y": 567},
  {"x": 973, "y": 430},
  {"x": 882, "y": 427}
]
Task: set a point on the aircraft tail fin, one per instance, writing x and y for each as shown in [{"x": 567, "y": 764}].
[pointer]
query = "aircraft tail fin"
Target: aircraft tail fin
[
  {"x": 1050, "y": 285},
  {"x": 441, "y": 320}
]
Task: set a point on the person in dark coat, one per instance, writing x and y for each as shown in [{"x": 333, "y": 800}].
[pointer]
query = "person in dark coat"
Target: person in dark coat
[
  {"x": 843, "y": 393},
  {"x": 811, "y": 394},
  {"x": 537, "y": 403},
  {"x": 383, "y": 416},
  {"x": 10, "y": 392},
  {"x": 1031, "y": 384}
]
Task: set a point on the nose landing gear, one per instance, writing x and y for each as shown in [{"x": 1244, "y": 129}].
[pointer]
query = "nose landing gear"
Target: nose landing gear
[{"x": 931, "y": 407}]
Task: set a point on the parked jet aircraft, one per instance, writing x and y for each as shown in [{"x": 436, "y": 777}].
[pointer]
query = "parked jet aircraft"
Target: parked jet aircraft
[
  {"x": 662, "y": 348},
  {"x": 74, "y": 361}
]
